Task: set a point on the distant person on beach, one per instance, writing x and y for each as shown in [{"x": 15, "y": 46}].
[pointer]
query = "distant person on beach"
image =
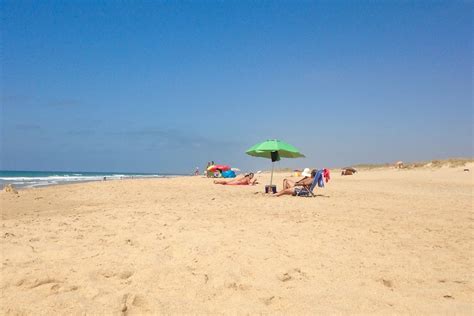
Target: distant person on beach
[
  {"x": 300, "y": 185},
  {"x": 287, "y": 183},
  {"x": 245, "y": 180},
  {"x": 209, "y": 174},
  {"x": 196, "y": 172},
  {"x": 399, "y": 165}
]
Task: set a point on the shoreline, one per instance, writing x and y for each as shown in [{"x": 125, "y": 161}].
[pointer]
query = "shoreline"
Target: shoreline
[{"x": 62, "y": 183}]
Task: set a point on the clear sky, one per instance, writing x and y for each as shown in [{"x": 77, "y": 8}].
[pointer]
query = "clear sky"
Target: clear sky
[{"x": 165, "y": 86}]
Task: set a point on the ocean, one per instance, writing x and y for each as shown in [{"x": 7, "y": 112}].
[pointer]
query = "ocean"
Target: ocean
[{"x": 31, "y": 179}]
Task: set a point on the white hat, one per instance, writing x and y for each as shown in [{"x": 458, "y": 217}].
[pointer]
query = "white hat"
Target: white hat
[{"x": 306, "y": 172}]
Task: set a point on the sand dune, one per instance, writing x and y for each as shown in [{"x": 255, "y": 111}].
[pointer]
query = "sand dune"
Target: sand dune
[{"x": 381, "y": 241}]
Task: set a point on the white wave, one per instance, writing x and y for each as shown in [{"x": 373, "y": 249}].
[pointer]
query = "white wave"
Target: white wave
[
  {"x": 39, "y": 184},
  {"x": 63, "y": 178},
  {"x": 31, "y": 182}
]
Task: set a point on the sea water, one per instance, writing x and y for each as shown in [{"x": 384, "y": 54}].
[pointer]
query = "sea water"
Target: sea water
[{"x": 31, "y": 179}]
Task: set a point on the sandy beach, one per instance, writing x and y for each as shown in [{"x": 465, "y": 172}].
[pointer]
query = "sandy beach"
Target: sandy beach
[{"x": 381, "y": 241}]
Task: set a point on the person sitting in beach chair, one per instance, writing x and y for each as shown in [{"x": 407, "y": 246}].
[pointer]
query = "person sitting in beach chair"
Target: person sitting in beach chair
[
  {"x": 304, "y": 187},
  {"x": 245, "y": 180},
  {"x": 287, "y": 183}
]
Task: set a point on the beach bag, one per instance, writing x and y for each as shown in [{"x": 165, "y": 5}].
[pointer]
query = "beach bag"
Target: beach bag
[{"x": 228, "y": 174}]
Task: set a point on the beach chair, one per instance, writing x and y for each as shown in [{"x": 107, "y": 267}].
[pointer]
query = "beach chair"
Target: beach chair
[{"x": 307, "y": 191}]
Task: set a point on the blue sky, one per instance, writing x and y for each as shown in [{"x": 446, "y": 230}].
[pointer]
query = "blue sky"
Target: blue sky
[{"x": 165, "y": 86}]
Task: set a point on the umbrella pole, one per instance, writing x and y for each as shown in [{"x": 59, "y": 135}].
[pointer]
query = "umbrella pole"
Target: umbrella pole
[{"x": 271, "y": 177}]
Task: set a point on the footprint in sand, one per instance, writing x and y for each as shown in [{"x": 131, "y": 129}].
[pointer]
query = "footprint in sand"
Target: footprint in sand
[
  {"x": 285, "y": 277},
  {"x": 460, "y": 282},
  {"x": 139, "y": 301},
  {"x": 237, "y": 286},
  {"x": 267, "y": 300},
  {"x": 7, "y": 235},
  {"x": 271, "y": 300},
  {"x": 57, "y": 288},
  {"x": 292, "y": 274},
  {"x": 34, "y": 283},
  {"x": 40, "y": 282},
  {"x": 387, "y": 283},
  {"x": 132, "y": 300},
  {"x": 123, "y": 275}
]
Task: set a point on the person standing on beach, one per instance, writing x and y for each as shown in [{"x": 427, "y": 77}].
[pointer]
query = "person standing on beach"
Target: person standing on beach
[{"x": 208, "y": 173}]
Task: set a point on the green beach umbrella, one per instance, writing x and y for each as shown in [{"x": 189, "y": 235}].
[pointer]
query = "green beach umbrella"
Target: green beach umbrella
[{"x": 274, "y": 149}]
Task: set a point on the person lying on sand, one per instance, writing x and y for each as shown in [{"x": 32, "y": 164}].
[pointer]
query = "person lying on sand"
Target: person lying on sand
[
  {"x": 287, "y": 183},
  {"x": 303, "y": 184},
  {"x": 246, "y": 180}
]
